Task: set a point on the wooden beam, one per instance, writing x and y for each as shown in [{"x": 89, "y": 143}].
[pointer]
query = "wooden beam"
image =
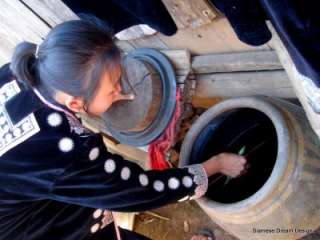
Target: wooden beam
[
  {"x": 295, "y": 79},
  {"x": 236, "y": 62},
  {"x": 269, "y": 83},
  {"x": 152, "y": 41},
  {"x": 18, "y": 23},
  {"x": 180, "y": 59},
  {"x": 215, "y": 37},
  {"x": 190, "y": 13},
  {"x": 52, "y": 12}
]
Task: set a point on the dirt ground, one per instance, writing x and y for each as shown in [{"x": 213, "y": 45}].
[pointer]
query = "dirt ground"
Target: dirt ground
[{"x": 185, "y": 220}]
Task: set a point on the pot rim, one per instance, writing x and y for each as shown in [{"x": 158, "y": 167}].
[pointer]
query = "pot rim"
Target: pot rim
[
  {"x": 258, "y": 103},
  {"x": 168, "y": 101}
]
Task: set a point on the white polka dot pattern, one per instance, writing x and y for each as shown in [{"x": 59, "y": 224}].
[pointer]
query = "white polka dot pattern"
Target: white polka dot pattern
[
  {"x": 97, "y": 213},
  {"x": 110, "y": 166},
  {"x": 125, "y": 173},
  {"x": 173, "y": 183},
  {"x": 158, "y": 185},
  {"x": 95, "y": 228},
  {"x": 187, "y": 181},
  {"x": 54, "y": 119},
  {"x": 66, "y": 144},
  {"x": 143, "y": 179},
  {"x": 94, "y": 153}
]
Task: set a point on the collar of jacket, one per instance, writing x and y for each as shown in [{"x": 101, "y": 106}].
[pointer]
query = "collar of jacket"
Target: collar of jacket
[
  {"x": 22, "y": 104},
  {"x": 29, "y": 100}
]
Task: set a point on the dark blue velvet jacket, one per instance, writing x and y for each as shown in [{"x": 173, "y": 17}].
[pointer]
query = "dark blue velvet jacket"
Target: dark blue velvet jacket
[
  {"x": 119, "y": 15},
  {"x": 297, "y": 23},
  {"x": 55, "y": 174}
]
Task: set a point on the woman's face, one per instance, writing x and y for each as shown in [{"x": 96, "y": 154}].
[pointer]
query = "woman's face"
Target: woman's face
[{"x": 108, "y": 92}]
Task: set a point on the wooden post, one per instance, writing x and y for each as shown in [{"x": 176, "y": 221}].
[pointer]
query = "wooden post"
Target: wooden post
[{"x": 295, "y": 79}]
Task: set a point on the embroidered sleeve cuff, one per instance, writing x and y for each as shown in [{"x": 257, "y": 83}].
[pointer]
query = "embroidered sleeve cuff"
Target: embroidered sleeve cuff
[{"x": 200, "y": 179}]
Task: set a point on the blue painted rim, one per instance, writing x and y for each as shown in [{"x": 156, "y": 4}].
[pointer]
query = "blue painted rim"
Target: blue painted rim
[{"x": 167, "y": 107}]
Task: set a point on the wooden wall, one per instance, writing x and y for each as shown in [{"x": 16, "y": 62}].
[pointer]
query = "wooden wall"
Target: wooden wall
[
  {"x": 28, "y": 20},
  {"x": 31, "y": 20}
]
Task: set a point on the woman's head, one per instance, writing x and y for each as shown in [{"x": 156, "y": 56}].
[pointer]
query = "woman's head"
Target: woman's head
[{"x": 77, "y": 64}]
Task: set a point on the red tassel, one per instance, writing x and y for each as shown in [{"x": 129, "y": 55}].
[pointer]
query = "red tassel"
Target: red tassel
[{"x": 157, "y": 150}]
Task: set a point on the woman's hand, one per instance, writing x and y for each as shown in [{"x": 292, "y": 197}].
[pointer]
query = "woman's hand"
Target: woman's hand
[{"x": 226, "y": 163}]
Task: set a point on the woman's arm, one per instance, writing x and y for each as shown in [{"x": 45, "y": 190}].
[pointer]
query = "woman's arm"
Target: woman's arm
[
  {"x": 110, "y": 182},
  {"x": 63, "y": 164},
  {"x": 99, "y": 179}
]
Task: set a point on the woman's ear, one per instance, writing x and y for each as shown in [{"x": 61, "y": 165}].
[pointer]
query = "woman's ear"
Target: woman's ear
[{"x": 75, "y": 104}]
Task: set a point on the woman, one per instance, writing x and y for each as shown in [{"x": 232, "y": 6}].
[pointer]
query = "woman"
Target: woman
[{"x": 57, "y": 178}]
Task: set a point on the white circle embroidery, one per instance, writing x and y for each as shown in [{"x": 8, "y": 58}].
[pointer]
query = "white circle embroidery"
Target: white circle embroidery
[
  {"x": 2, "y": 120},
  {"x": 94, "y": 153},
  {"x": 8, "y": 137},
  {"x": 158, "y": 185},
  {"x": 125, "y": 173},
  {"x": 187, "y": 181},
  {"x": 173, "y": 183},
  {"x": 95, "y": 228},
  {"x": 5, "y": 128},
  {"x": 143, "y": 179},
  {"x": 66, "y": 144},
  {"x": 97, "y": 213},
  {"x": 110, "y": 166},
  {"x": 17, "y": 132},
  {"x": 26, "y": 126},
  {"x": 54, "y": 119}
]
